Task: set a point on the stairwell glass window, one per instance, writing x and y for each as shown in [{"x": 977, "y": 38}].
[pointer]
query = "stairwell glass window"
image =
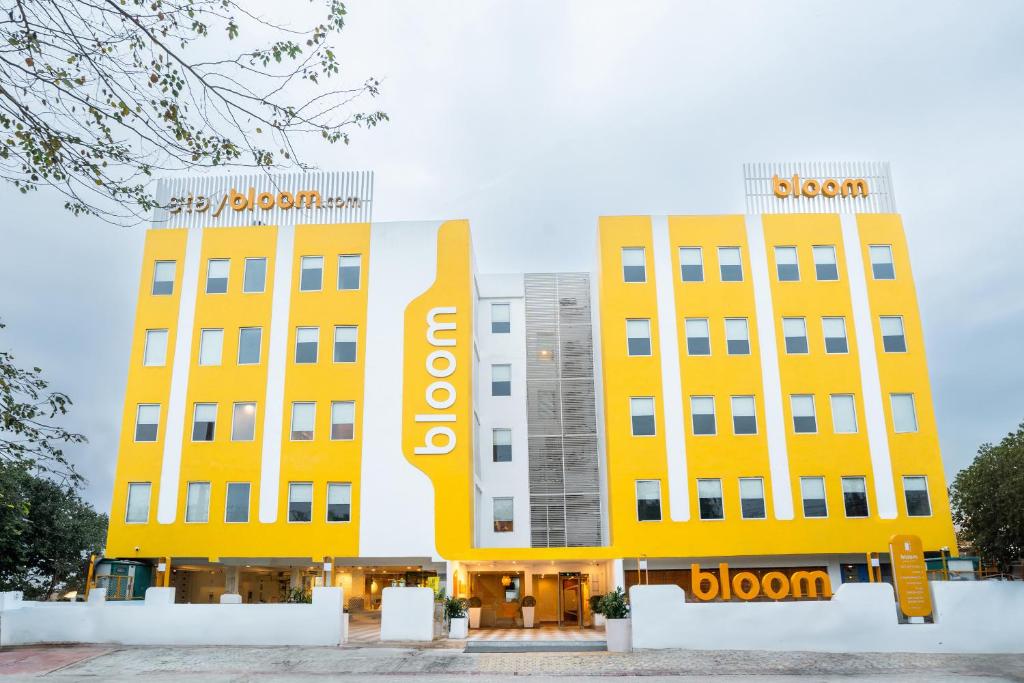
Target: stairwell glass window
[
  {"x": 691, "y": 263},
  {"x": 501, "y": 380},
  {"x": 881, "y": 262},
  {"x": 349, "y": 271},
  {"x": 300, "y": 502},
  {"x": 744, "y": 418},
  {"x": 311, "y": 273},
  {"x": 243, "y": 421},
  {"x": 211, "y": 344},
  {"x": 634, "y": 268},
  {"x": 501, "y": 445},
  {"x": 915, "y": 492},
  {"x": 163, "y": 278},
  {"x": 752, "y": 498},
  {"x": 893, "y": 340},
  {"x": 844, "y": 413},
  {"x": 794, "y": 330},
  {"x": 217, "y": 276},
  {"x": 254, "y": 278},
  {"x": 648, "y": 500},
  {"x": 501, "y": 318},
  {"x": 737, "y": 337},
  {"x": 904, "y": 414},
  {"x": 804, "y": 420},
  {"x": 343, "y": 420},
  {"x": 638, "y": 337},
  {"x": 709, "y": 497},
  {"x": 786, "y": 266},
  {"x": 502, "y": 515},
  {"x": 345, "y": 339},
  {"x": 303, "y": 419},
  {"x": 137, "y": 508},
  {"x": 835, "y": 335},
  {"x": 236, "y": 503},
  {"x": 698, "y": 337},
  {"x": 307, "y": 343},
  {"x": 155, "y": 353},
  {"x": 197, "y": 502},
  {"x": 730, "y": 266},
  {"x": 204, "y": 421},
  {"x": 812, "y": 490},
  {"x": 147, "y": 422},
  {"x": 855, "y": 496},
  {"x": 249, "y": 340},
  {"x": 825, "y": 267},
  {"x": 702, "y": 415},
  {"x": 641, "y": 412},
  {"x": 339, "y": 502}
]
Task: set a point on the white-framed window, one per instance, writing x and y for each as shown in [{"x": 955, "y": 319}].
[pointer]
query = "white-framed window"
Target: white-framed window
[
  {"x": 217, "y": 270},
  {"x": 503, "y": 511},
  {"x": 211, "y": 345},
  {"x": 236, "y": 502},
  {"x": 812, "y": 490},
  {"x": 825, "y": 267},
  {"x": 254, "y": 277},
  {"x": 904, "y": 413},
  {"x": 737, "y": 337},
  {"x": 702, "y": 415},
  {"x": 855, "y": 496},
  {"x": 300, "y": 501},
  {"x": 844, "y": 413},
  {"x": 346, "y": 339},
  {"x": 787, "y": 267},
  {"x": 501, "y": 318},
  {"x": 804, "y": 420},
  {"x": 311, "y": 273},
  {"x": 641, "y": 413},
  {"x": 881, "y": 262},
  {"x": 698, "y": 337},
  {"x": 204, "y": 421},
  {"x": 730, "y": 264},
  {"x": 501, "y": 444},
  {"x": 136, "y": 509},
  {"x": 709, "y": 499},
  {"x": 648, "y": 500},
  {"x": 501, "y": 380},
  {"x": 339, "y": 502},
  {"x": 155, "y": 352},
  {"x": 794, "y": 330},
  {"x": 243, "y": 421},
  {"x": 249, "y": 342},
  {"x": 915, "y": 493},
  {"x": 343, "y": 420},
  {"x": 893, "y": 340},
  {"x": 752, "y": 498},
  {"x": 197, "y": 502},
  {"x": 634, "y": 264},
  {"x": 691, "y": 263},
  {"x": 303, "y": 420},
  {"x": 744, "y": 415},
  {"x": 147, "y": 421},
  {"x": 638, "y": 337},
  {"x": 163, "y": 278},
  {"x": 835, "y": 335},
  {"x": 349, "y": 271},
  {"x": 307, "y": 344}
]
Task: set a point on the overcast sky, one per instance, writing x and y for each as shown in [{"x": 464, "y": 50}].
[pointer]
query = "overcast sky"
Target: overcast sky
[{"x": 531, "y": 119}]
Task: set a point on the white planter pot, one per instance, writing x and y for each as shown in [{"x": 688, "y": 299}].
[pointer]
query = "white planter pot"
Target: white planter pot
[
  {"x": 619, "y": 634},
  {"x": 458, "y": 629},
  {"x": 474, "y": 617},
  {"x": 598, "y": 620},
  {"x": 528, "y": 617}
]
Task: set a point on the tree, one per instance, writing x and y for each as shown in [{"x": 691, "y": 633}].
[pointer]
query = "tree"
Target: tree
[
  {"x": 96, "y": 95},
  {"x": 987, "y": 500}
]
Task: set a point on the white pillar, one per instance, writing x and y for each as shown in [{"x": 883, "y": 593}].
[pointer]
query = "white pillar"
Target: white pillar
[
  {"x": 295, "y": 578},
  {"x": 618, "y": 576},
  {"x": 231, "y": 579}
]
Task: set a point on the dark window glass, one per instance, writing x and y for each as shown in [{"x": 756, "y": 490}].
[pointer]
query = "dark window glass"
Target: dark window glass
[
  {"x": 815, "y": 507},
  {"x": 502, "y": 452},
  {"x": 249, "y": 345},
  {"x": 237, "y": 506},
  {"x": 883, "y": 271},
  {"x": 254, "y": 280},
  {"x": 501, "y": 388},
  {"x": 648, "y": 510},
  {"x": 788, "y": 272},
  {"x": 498, "y": 327},
  {"x": 202, "y": 430},
  {"x": 752, "y": 508},
  {"x": 217, "y": 276},
  {"x": 738, "y": 347},
  {"x": 145, "y": 432},
  {"x": 640, "y": 347},
  {"x": 643, "y": 425},
  {"x": 163, "y": 278},
  {"x": 805, "y": 425},
  {"x": 348, "y": 271},
  {"x": 732, "y": 273},
  {"x": 835, "y": 345},
  {"x": 299, "y": 511},
  {"x": 711, "y": 508},
  {"x": 796, "y": 344},
  {"x": 894, "y": 343},
  {"x": 345, "y": 339},
  {"x": 634, "y": 273},
  {"x": 826, "y": 271},
  {"x": 338, "y": 512},
  {"x": 703, "y": 424},
  {"x": 698, "y": 346},
  {"x": 744, "y": 424},
  {"x": 915, "y": 490},
  {"x": 694, "y": 273},
  {"x": 856, "y": 503}
]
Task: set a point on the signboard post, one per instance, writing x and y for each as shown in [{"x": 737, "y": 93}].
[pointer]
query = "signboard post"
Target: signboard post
[{"x": 910, "y": 576}]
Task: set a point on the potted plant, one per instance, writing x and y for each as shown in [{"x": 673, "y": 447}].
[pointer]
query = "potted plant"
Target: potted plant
[
  {"x": 618, "y": 631},
  {"x": 455, "y": 615},
  {"x": 595, "y": 610},
  {"x": 529, "y": 604},
  {"x": 475, "y": 605}
]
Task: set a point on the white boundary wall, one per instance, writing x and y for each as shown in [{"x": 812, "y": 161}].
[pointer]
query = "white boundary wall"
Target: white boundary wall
[
  {"x": 158, "y": 621},
  {"x": 407, "y": 614},
  {"x": 982, "y": 616}
]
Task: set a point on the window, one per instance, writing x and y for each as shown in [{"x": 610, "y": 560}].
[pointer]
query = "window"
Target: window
[
  {"x": 501, "y": 380},
  {"x": 163, "y": 279},
  {"x": 648, "y": 500},
  {"x": 638, "y": 337},
  {"x": 752, "y": 498},
  {"x": 702, "y": 409},
  {"x": 737, "y": 337},
  {"x": 813, "y": 491},
  {"x": 744, "y": 419},
  {"x": 236, "y": 503},
  {"x": 691, "y": 262},
  {"x": 804, "y": 421},
  {"x": 243, "y": 422},
  {"x": 217, "y": 276},
  {"x": 641, "y": 411},
  {"x": 349, "y": 267},
  {"x": 795, "y": 332},
  {"x": 311, "y": 275},
  {"x": 211, "y": 343},
  {"x": 786, "y": 265},
  {"x": 709, "y": 497},
  {"x": 825, "y": 267},
  {"x": 855, "y": 496},
  {"x": 339, "y": 502},
  {"x": 893, "y": 340},
  {"x": 844, "y": 414},
  {"x": 300, "y": 502},
  {"x": 698, "y": 339},
  {"x": 502, "y": 515},
  {"x": 254, "y": 277},
  {"x": 204, "y": 421},
  {"x": 915, "y": 491},
  {"x": 729, "y": 265},
  {"x": 904, "y": 416},
  {"x": 501, "y": 445},
  {"x": 197, "y": 502},
  {"x": 147, "y": 422},
  {"x": 307, "y": 343},
  {"x": 249, "y": 340},
  {"x": 634, "y": 268},
  {"x": 155, "y": 353},
  {"x": 303, "y": 417},
  {"x": 343, "y": 420},
  {"x": 345, "y": 340},
  {"x": 501, "y": 316},
  {"x": 835, "y": 335},
  {"x": 137, "y": 509},
  {"x": 881, "y": 262}
]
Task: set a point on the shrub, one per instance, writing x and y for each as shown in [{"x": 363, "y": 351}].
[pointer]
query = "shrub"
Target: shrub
[
  {"x": 454, "y": 608},
  {"x": 614, "y": 605},
  {"x": 529, "y": 601},
  {"x": 475, "y": 602},
  {"x": 595, "y": 604}
]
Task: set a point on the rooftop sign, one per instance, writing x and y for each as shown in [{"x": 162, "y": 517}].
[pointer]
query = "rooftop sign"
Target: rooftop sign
[{"x": 820, "y": 187}]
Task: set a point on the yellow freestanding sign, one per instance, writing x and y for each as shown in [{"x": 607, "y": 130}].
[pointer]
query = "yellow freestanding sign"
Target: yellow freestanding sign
[{"x": 910, "y": 576}]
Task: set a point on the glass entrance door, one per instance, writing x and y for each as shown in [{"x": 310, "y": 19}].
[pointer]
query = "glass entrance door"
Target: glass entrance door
[{"x": 572, "y": 599}]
